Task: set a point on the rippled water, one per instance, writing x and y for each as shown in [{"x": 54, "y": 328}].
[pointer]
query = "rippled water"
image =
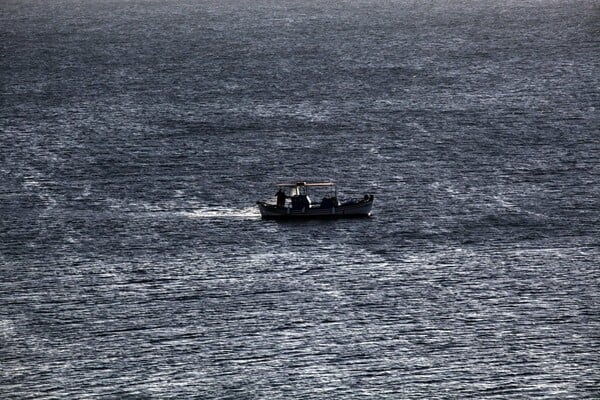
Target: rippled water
[{"x": 136, "y": 137}]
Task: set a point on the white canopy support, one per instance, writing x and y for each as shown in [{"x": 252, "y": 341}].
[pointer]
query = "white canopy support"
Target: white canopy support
[
  {"x": 302, "y": 188},
  {"x": 309, "y": 184}
]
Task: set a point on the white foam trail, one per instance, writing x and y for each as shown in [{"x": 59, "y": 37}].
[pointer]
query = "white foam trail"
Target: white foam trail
[{"x": 224, "y": 212}]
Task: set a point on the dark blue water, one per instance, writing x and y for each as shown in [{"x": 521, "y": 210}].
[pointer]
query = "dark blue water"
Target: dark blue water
[{"x": 136, "y": 137}]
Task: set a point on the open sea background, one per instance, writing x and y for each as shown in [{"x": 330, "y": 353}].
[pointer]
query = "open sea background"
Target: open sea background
[{"x": 137, "y": 135}]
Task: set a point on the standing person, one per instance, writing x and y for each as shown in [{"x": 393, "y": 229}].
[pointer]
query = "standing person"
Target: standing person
[{"x": 280, "y": 198}]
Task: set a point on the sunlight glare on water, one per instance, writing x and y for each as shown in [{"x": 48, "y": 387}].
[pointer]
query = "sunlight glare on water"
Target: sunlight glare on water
[{"x": 137, "y": 137}]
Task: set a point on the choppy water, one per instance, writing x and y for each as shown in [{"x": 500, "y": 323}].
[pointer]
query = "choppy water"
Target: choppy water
[{"x": 136, "y": 137}]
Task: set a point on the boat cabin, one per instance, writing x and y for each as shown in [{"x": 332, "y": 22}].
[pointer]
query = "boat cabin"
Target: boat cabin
[{"x": 299, "y": 194}]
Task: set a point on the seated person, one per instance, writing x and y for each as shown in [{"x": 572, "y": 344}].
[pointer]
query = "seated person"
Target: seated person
[
  {"x": 329, "y": 201},
  {"x": 300, "y": 202}
]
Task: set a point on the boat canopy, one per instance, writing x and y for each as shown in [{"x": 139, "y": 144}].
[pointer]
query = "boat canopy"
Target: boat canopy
[{"x": 309, "y": 184}]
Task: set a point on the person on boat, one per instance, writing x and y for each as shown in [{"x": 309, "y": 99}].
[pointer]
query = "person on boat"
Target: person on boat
[{"x": 280, "y": 198}]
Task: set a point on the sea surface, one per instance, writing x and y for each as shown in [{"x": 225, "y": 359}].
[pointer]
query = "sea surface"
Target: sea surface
[{"x": 136, "y": 137}]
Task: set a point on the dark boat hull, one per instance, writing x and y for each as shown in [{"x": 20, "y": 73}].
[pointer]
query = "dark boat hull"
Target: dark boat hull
[{"x": 355, "y": 209}]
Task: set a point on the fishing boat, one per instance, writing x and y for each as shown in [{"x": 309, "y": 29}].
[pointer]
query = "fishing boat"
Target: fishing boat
[{"x": 294, "y": 202}]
